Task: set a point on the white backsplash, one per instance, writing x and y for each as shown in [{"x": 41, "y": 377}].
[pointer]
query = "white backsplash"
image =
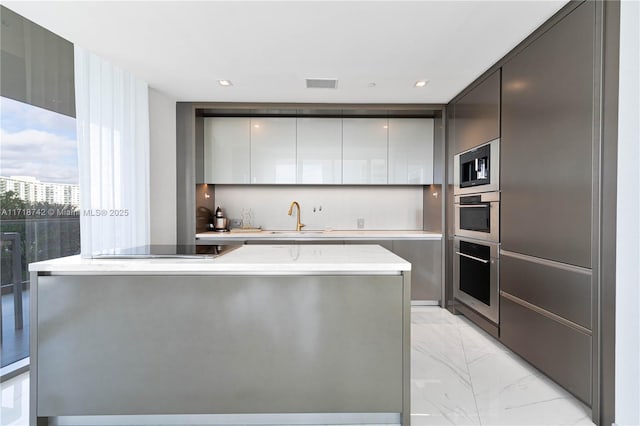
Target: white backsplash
[{"x": 336, "y": 207}]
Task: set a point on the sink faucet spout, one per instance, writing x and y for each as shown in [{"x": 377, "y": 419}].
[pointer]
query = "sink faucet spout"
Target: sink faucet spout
[{"x": 298, "y": 225}]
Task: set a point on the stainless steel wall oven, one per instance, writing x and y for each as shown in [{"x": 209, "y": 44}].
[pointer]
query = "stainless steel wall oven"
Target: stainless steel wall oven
[
  {"x": 475, "y": 276},
  {"x": 477, "y": 229}
]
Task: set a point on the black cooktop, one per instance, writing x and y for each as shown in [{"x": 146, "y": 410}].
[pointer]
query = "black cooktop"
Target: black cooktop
[{"x": 179, "y": 251}]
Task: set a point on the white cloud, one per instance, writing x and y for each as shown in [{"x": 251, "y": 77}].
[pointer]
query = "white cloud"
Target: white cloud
[
  {"x": 48, "y": 157},
  {"x": 31, "y": 117}
]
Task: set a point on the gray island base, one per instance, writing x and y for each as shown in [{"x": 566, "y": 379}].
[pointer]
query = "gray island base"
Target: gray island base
[{"x": 263, "y": 334}]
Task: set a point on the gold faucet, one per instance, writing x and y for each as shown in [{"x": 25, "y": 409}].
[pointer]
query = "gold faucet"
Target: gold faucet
[{"x": 299, "y": 225}]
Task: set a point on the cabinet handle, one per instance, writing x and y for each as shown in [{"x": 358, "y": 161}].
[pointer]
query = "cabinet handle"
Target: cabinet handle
[{"x": 472, "y": 257}]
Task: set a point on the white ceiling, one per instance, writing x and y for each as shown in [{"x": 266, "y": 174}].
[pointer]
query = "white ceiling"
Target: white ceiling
[{"x": 267, "y": 49}]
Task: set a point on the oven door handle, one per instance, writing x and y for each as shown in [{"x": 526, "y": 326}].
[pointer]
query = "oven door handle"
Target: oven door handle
[
  {"x": 478, "y": 206},
  {"x": 473, "y": 257}
]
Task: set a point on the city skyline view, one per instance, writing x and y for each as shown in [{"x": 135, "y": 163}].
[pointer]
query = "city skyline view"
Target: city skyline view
[
  {"x": 30, "y": 189},
  {"x": 38, "y": 143}
]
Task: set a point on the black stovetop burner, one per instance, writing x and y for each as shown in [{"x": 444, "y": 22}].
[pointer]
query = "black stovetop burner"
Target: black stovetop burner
[{"x": 168, "y": 251}]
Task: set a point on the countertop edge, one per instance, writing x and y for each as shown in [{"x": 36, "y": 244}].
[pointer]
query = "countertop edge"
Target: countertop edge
[
  {"x": 320, "y": 236},
  {"x": 250, "y": 260}
]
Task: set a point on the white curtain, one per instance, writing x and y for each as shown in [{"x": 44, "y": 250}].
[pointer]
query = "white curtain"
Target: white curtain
[{"x": 112, "y": 116}]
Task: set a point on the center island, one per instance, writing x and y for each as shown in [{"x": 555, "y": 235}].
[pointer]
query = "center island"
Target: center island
[{"x": 277, "y": 334}]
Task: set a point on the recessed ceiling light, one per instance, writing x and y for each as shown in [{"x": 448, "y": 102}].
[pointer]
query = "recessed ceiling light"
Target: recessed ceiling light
[
  {"x": 225, "y": 83},
  {"x": 257, "y": 126},
  {"x": 421, "y": 83},
  {"x": 385, "y": 127}
]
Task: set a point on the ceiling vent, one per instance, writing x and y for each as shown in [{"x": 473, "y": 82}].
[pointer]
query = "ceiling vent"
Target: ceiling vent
[{"x": 322, "y": 83}]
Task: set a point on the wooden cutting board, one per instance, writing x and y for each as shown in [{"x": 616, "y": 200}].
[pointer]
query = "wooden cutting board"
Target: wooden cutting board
[{"x": 246, "y": 230}]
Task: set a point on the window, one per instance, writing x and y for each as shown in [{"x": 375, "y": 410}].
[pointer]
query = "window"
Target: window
[{"x": 39, "y": 207}]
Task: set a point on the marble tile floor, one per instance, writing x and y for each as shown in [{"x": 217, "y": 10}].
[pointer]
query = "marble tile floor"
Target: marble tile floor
[{"x": 459, "y": 376}]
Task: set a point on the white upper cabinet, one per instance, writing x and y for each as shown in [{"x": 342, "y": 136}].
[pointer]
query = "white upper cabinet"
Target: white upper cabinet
[
  {"x": 314, "y": 150},
  {"x": 319, "y": 150},
  {"x": 364, "y": 151},
  {"x": 226, "y": 149},
  {"x": 273, "y": 150},
  {"x": 411, "y": 151}
]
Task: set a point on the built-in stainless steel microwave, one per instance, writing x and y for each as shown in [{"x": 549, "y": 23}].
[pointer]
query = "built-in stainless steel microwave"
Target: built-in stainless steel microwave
[
  {"x": 478, "y": 169},
  {"x": 478, "y": 216}
]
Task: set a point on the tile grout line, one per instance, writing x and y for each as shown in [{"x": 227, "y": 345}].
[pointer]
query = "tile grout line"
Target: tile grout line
[{"x": 466, "y": 361}]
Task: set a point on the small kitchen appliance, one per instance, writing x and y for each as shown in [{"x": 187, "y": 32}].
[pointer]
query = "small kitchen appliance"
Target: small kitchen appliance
[
  {"x": 220, "y": 221},
  {"x": 477, "y": 170},
  {"x": 478, "y": 216},
  {"x": 476, "y": 189}
]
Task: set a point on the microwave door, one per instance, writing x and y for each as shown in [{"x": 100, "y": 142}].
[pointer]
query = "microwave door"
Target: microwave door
[{"x": 475, "y": 217}]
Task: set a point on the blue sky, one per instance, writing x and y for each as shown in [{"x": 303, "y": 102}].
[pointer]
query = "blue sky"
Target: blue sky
[{"x": 37, "y": 142}]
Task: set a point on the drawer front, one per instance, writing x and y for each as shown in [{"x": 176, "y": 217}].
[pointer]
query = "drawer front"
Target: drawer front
[
  {"x": 561, "y": 352},
  {"x": 561, "y": 289}
]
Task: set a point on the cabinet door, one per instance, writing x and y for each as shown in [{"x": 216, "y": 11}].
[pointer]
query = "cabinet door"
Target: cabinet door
[
  {"x": 560, "y": 351},
  {"x": 226, "y": 149},
  {"x": 319, "y": 150},
  {"x": 411, "y": 151},
  {"x": 546, "y": 145},
  {"x": 273, "y": 150},
  {"x": 364, "y": 151},
  {"x": 426, "y": 267},
  {"x": 477, "y": 115}
]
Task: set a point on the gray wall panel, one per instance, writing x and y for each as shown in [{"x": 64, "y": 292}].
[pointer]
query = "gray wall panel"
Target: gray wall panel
[
  {"x": 199, "y": 150},
  {"x": 438, "y": 147},
  {"x": 185, "y": 173},
  {"x": 559, "y": 351},
  {"x": 205, "y": 207},
  {"x": 449, "y": 229},
  {"x": 564, "y": 292},
  {"x": 433, "y": 204},
  {"x": 546, "y": 158},
  {"x": 607, "y": 273},
  {"x": 432, "y": 197}
]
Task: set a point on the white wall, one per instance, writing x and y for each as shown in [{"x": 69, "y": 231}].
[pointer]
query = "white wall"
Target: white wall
[
  {"x": 381, "y": 207},
  {"x": 162, "y": 168},
  {"x": 627, "y": 381}
]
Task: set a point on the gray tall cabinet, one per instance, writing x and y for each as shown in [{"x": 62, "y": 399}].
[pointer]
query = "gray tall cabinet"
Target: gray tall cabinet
[
  {"x": 477, "y": 115},
  {"x": 547, "y": 182}
]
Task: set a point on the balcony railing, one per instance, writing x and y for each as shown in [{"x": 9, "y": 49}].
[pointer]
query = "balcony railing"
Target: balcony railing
[{"x": 25, "y": 241}]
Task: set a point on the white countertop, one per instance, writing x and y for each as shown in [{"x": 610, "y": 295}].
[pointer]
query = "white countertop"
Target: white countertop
[
  {"x": 248, "y": 259},
  {"x": 320, "y": 235}
]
